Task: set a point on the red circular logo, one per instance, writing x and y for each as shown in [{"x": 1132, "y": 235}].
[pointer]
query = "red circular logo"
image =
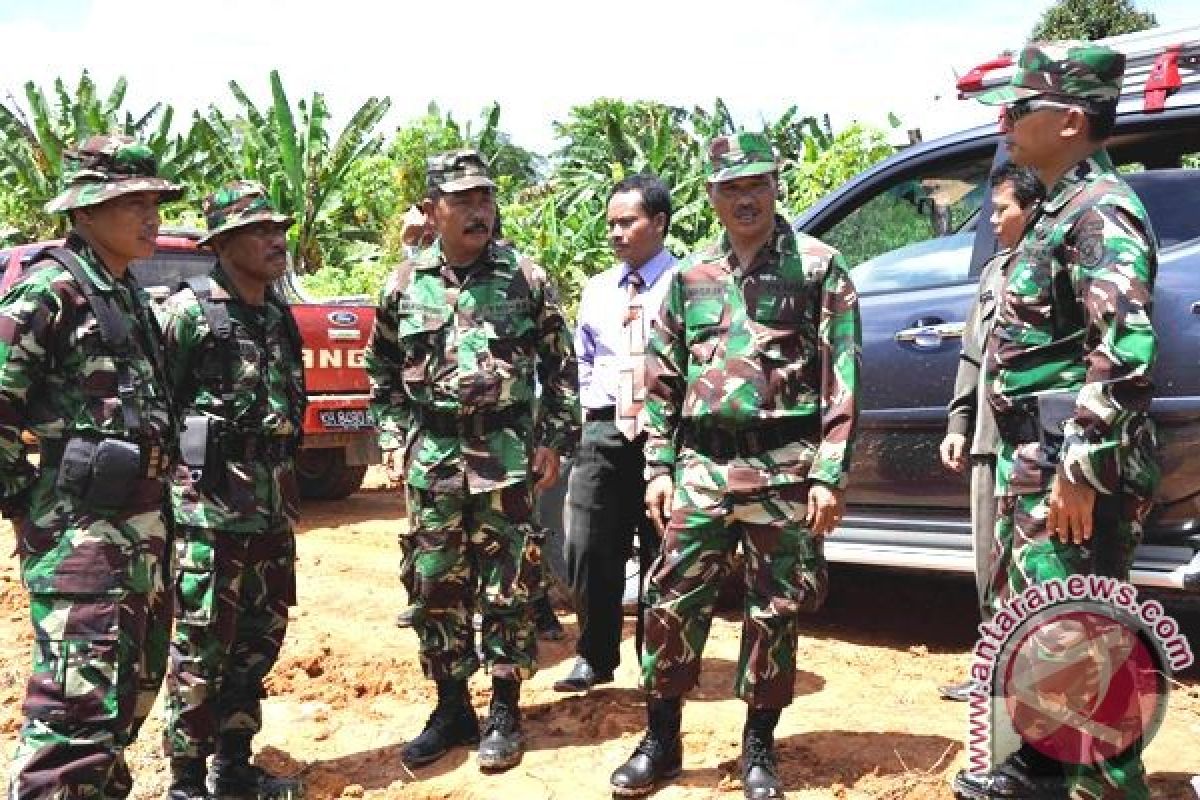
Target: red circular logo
[{"x": 1082, "y": 686}]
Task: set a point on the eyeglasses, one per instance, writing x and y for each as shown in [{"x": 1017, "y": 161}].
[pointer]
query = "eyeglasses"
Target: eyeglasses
[{"x": 1023, "y": 108}]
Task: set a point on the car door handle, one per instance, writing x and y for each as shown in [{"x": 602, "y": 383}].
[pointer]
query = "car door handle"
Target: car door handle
[
  {"x": 930, "y": 336},
  {"x": 1196, "y": 308}
]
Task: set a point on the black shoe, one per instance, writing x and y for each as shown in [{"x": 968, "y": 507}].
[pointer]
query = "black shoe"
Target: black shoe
[
  {"x": 452, "y": 723},
  {"x": 958, "y": 692},
  {"x": 233, "y": 777},
  {"x": 658, "y": 756},
  {"x": 405, "y": 617},
  {"x": 502, "y": 744},
  {"x": 760, "y": 771},
  {"x": 187, "y": 779},
  {"x": 544, "y": 620},
  {"x": 1025, "y": 775},
  {"x": 582, "y": 677}
]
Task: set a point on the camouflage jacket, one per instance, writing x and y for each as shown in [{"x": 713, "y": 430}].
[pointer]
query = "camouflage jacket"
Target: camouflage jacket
[
  {"x": 467, "y": 343},
  {"x": 775, "y": 340},
  {"x": 263, "y": 403},
  {"x": 1075, "y": 315},
  {"x": 58, "y": 379}
]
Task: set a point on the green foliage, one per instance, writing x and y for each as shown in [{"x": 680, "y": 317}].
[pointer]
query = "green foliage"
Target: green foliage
[
  {"x": 347, "y": 191},
  {"x": 562, "y": 223},
  {"x": 294, "y": 153},
  {"x": 513, "y": 167},
  {"x": 362, "y": 272},
  {"x": 1090, "y": 20},
  {"x": 33, "y": 139},
  {"x": 821, "y": 170}
]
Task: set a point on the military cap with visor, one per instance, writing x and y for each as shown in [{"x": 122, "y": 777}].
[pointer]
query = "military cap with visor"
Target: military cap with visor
[
  {"x": 1077, "y": 70},
  {"x": 739, "y": 155},
  {"x": 457, "y": 171},
  {"x": 109, "y": 166},
  {"x": 237, "y": 205}
]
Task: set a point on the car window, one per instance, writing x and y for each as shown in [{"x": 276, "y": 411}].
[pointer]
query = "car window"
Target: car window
[{"x": 914, "y": 232}]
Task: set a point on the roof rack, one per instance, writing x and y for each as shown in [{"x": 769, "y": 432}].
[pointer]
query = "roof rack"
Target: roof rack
[{"x": 1162, "y": 68}]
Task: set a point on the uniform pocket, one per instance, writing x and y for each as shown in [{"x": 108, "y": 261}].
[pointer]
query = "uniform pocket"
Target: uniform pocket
[
  {"x": 196, "y": 579},
  {"x": 420, "y": 338},
  {"x": 784, "y": 355},
  {"x": 76, "y": 663}
]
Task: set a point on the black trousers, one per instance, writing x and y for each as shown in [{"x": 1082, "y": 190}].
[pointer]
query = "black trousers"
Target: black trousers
[{"x": 606, "y": 510}]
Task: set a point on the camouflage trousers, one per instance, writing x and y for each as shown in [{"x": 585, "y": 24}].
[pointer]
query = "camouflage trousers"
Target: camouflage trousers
[
  {"x": 232, "y": 593},
  {"x": 1025, "y": 554},
  {"x": 784, "y": 574},
  {"x": 468, "y": 552},
  {"x": 101, "y": 623}
]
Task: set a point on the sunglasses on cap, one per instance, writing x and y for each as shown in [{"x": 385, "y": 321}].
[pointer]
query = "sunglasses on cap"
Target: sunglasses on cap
[{"x": 1023, "y": 108}]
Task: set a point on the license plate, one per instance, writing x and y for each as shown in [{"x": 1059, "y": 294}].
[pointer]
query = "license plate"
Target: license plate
[{"x": 345, "y": 419}]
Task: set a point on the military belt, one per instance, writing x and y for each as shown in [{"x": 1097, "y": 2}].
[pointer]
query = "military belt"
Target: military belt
[
  {"x": 746, "y": 441},
  {"x": 478, "y": 423},
  {"x": 156, "y": 459}
]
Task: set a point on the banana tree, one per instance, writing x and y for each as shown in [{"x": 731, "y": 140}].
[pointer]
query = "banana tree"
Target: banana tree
[
  {"x": 295, "y": 154},
  {"x": 33, "y": 138}
]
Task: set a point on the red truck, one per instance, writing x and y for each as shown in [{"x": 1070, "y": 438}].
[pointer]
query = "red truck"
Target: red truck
[{"x": 339, "y": 441}]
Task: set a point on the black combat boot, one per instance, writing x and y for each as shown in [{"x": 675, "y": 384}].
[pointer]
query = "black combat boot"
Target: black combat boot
[
  {"x": 452, "y": 723},
  {"x": 187, "y": 779},
  {"x": 659, "y": 756},
  {"x": 1025, "y": 775},
  {"x": 760, "y": 774},
  {"x": 545, "y": 621},
  {"x": 502, "y": 743},
  {"x": 233, "y": 777}
]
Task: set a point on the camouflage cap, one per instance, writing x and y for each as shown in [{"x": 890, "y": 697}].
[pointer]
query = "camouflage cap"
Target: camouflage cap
[
  {"x": 236, "y": 205},
  {"x": 739, "y": 156},
  {"x": 108, "y": 166},
  {"x": 457, "y": 171},
  {"x": 1069, "y": 69}
]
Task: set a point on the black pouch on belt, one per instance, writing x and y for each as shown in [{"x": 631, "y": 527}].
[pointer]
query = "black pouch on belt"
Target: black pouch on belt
[
  {"x": 101, "y": 474},
  {"x": 115, "y": 472}
]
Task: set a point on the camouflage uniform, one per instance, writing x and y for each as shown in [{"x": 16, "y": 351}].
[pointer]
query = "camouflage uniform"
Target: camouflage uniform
[
  {"x": 764, "y": 357},
  {"x": 1075, "y": 316},
  {"x": 235, "y": 545},
  {"x": 95, "y": 575},
  {"x": 452, "y": 359}
]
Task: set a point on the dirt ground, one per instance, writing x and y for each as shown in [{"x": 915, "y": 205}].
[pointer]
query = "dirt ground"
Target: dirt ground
[{"x": 348, "y": 691}]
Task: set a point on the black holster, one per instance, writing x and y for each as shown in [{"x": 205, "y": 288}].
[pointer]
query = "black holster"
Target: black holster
[
  {"x": 201, "y": 448},
  {"x": 1040, "y": 418}
]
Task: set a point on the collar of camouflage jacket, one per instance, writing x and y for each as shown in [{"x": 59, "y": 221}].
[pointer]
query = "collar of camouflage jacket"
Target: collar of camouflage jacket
[
  {"x": 1078, "y": 176},
  {"x": 101, "y": 278},
  {"x": 224, "y": 290},
  {"x": 432, "y": 258},
  {"x": 781, "y": 243}
]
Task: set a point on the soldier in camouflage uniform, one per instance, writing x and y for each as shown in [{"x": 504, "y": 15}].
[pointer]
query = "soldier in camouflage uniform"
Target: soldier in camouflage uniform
[
  {"x": 751, "y": 408},
  {"x": 238, "y": 379},
  {"x": 459, "y": 332},
  {"x": 1074, "y": 322},
  {"x": 81, "y": 366}
]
